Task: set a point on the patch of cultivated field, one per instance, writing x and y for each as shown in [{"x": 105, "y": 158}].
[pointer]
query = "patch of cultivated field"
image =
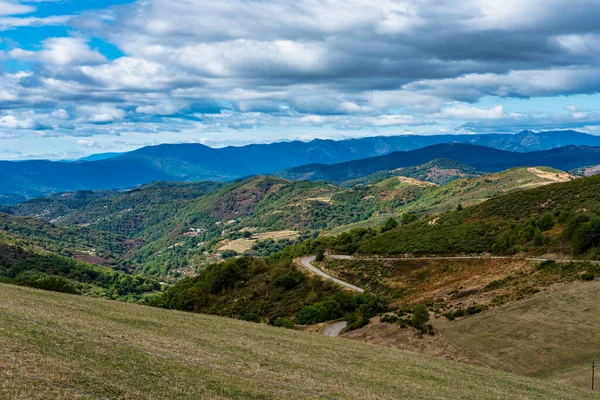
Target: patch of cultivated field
[
  {"x": 244, "y": 244},
  {"x": 553, "y": 334},
  {"x": 61, "y": 346}
]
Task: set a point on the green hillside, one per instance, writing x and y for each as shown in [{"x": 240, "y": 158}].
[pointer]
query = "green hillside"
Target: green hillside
[
  {"x": 535, "y": 221},
  {"x": 476, "y": 190},
  {"x": 173, "y": 229},
  {"x": 439, "y": 171},
  {"x": 61, "y": 346},
  {"x": 44, "y": 270}
]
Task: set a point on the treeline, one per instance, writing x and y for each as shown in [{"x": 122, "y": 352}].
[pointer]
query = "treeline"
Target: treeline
[
  {"x": 48, "y": 271},
  {"x": 271, "y": 290}
]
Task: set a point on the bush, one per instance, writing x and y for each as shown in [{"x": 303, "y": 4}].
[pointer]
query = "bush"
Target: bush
[
  {"x": 226, "y": 254},
  {"x": 389, "y": 318},
  {"x": 588, "y": 276},
  {"x": 284, "y": 323},
  {"x": 420, "y": 317},
  {"x": 290, "y": 280},
  {"x": 320, "y": 255},
  {"x": 408, "y": 218},
  {"x": 250, "y": 317},
  {"x": 586, "y": 236},
  {"x": 322, "y": 311},
  {"x": 545, "y": 222},
  {"x": 390, "y": 224}
]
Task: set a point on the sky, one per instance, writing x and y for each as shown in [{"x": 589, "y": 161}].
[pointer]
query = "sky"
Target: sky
[{"x": 91, "y": 76}]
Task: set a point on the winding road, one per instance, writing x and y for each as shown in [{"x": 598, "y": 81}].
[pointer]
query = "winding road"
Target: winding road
[
  {"x": 334, "y": 329},
  {"x": 307, "y": 263}
]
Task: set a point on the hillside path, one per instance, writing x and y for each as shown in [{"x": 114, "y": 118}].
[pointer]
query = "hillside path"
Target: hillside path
[
  {"x": 334, "y": 329},
  {"x": 307, "y": 263}
]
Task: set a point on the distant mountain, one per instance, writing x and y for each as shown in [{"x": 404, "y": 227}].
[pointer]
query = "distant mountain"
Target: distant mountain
[
  {"x": 100, "y": 156},
  {"x": 196, "y": 162},
  {"x": 481, "y": 158}
]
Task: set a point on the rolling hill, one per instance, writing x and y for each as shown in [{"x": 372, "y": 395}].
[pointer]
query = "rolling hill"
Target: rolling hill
[
  {"x": 478, "y": 157},
  {"x": 166, "y": 228},
  {"x": 61, "y": 346},
  {"x": 195, "y": 162},
  {"x": 439, "y": 171}
]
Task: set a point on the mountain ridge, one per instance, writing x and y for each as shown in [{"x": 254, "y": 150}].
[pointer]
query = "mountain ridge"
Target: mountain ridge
[
  {"x": 196, "y": 162},
  {"x": 479, "y": 157}
]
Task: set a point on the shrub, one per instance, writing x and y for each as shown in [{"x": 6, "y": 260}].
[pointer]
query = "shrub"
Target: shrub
[
  {"x": 284, "y": 323},
  {"x": 588, "y": 276},
  {"x": 250, "y": 317},
  {"x": 420, "y": 316},
  {"x": 226, "y": 254},
  {"x": 389, "y": 318},
  {"x": 545, "y": 222},
  {"x": 322, "y": 311},
  {"x": 408, "y": 218},
  {"x": 290, "y": 280},
  {"x": 320, "y": 254},
  {"x": 390, "y": 224},
  {"x": 586, "y": 236}
]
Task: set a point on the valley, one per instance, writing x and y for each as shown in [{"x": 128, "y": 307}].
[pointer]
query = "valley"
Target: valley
[{"x": 428, "y": 258}]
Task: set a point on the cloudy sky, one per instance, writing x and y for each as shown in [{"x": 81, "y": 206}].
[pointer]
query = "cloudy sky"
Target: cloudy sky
[{"x": 88, "y": 76}]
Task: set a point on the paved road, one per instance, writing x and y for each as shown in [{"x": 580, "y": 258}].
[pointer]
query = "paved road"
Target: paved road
[
  {"x": 334, "y": 329},
  {"x": 307, "y": 263},
  {"x": 344, "y": 257}
]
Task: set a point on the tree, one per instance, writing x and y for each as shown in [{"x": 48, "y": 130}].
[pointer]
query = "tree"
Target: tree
[
  {"x": 390, "y": 224},
  {"x": 545, "y": 222},
  {"x": 408, "y": 218},
  {"x": 420, "y": 316},
  {"x": 459, "y": 207},
  {"x": 320, "y": 254}
]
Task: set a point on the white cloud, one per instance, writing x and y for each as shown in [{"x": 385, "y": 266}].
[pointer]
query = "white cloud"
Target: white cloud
[
  {"x": 86, "y": 143},
  {"x": 164, "y": 108},
  {"x": 465, "y": 112},
  {"x": 60, "y": 114},
  {"x": 12, "y": 122},
  {"x": 100, "y": 113},
  {"x": 61, "y": 52},
  {"x": 394, "y": 120},
  {"x": 8, "y": 7}
]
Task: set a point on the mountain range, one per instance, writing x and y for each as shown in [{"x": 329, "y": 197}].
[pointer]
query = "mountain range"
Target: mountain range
[
  {"x": 194, "y": 162},
  {"x": 481, "y": 158}
]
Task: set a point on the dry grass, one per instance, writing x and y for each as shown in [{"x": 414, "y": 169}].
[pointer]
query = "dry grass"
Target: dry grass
[
  {"x": 554, "y": 334},
  {"x": 245, "y": 244},
  {"x": 117, "y": 356}
]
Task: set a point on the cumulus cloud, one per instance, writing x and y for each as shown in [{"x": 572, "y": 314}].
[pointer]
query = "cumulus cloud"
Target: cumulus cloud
[
  {"x": 61, "y": 52},
  {"x": 10, "y": 121},
  {"x": 100, "y": 114},
  {"x": 348, "y": 65}
]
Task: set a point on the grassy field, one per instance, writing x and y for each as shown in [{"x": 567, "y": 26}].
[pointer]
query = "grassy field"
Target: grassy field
[
  {"x": 245, "y": 244},
  {"x": 554, "y": 334},
  {"x": 67, "y": 347}
]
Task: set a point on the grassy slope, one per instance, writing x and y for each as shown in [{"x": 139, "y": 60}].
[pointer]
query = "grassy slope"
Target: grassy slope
[
  {"x": 479, "y": 228},
  {"x": 466, "y": 191},
  {"x": 438, "y": 171},
  {"x": 476, "y": 190},
  {"x": 553, "y": 334},
  {"x": 116, "y": 356}
]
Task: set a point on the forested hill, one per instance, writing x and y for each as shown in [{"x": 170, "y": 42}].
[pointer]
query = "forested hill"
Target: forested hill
[
  {"x": 194, "y": 162},
  {"x": 481, "y": 158}
]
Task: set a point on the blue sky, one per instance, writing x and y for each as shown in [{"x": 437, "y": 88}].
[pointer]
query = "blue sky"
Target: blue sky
[{"x": 88, "y": 76}]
